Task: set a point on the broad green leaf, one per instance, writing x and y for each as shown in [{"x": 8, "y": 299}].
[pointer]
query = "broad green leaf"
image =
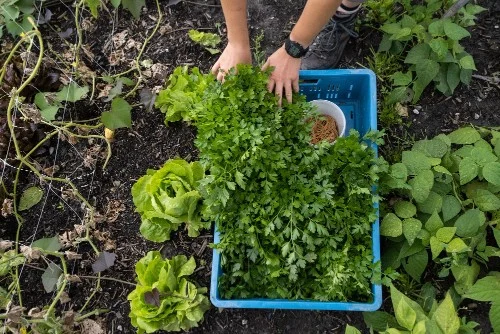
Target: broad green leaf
[
  {"x": 433, "y": 203},
  {"x": 467, "y": 63},
  {"x": 48, "y": 244},
  {"x": 496, "y": 234},
  {"x": 486, "y": 289},
  {"x": 417, "y": 53},
  {"x": 406, "y": 310},
  {"x": 405, "y": 209},
  {"x": 408, "y": 21},
  {"x": 420, "y": 328},
  {"x": 436, "y": 247},
  {"x": 50, "y": 277},
  {"x": 30, "y": 198},
  {"x": 401, "y": 34},
  {"x": 434, "y": 223},
  {"x": 115, "y": 3},
  {"x": 206, "y": 39},
  {"x": 495, "y": 316},
  {"x": 119, "y": 116},
  {"x": 416, "y": 264},
  {"x": 426, "y": 70},
  {"x": 436, "y": 28},
  {"x": 451, "y": 207},
  {"x": 454, "y": 31},
  {"x": 391, "y": 226},
  {"x": 72, "y": 92},
  {"x": 483, "y": 156},
  {"x": 411, "y": 229},
  {"x": 446, "y": 316},
  {"x": 465, "y": 276},
  {"x": 465, "y": 76},
  {"x": 399, "y": 171},
  {"x": 453, "y": 76},
  {"x": 93, "y": 6},
  {"x": 486, "y": 201},
  {"x": 468, "y": 170},
  {"x": 439, "y": 46},
  {"x": 416, "y": 162},
  {"x": 463, "y": 136},
  {"x": 351, "y": 330},
  {"x": 391, "y": 28},
  {"x": 468, "y": 223},
  {"x": 433, "y": 148},
  {"x": 401, "y": 79},
  {"x": 422, "y": 185},
  {"x": 441, "y": 169},
  {"x": 457, "y": 245},
  {"x": 445, "y": 234},
  {"x": 379, "y": 321},
  {"x": 134, "y": 6}
]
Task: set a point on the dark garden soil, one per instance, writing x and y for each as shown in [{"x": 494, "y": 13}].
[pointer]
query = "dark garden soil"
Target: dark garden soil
[{"x": 149, "y": 143}]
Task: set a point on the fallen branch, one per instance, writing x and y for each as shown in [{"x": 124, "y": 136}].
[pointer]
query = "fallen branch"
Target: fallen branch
[{"x": 455, "y": 8}]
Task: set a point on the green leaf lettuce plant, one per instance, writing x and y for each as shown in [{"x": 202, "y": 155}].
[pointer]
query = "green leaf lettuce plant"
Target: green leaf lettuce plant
[
  {"x": 164, "y": 298},
  {"x": 167, "y": 198}
]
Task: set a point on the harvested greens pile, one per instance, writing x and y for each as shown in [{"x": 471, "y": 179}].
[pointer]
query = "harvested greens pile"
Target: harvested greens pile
[{"x": 294, "y": 218}]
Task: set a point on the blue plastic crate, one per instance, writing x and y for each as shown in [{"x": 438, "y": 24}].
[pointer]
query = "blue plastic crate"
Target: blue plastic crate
[{"x": 354, "y": 91}]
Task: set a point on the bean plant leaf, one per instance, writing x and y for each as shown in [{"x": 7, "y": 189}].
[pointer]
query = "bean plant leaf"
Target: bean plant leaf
[
  {"x": 491, "y": 172},
  {"x": 486, "y": 200},
  {"x": 379, "y": 321},
  {"x": 119, "y": 116},
  {"x": 93, "y": 6},
  {"x": 467, "y": 63},
  {"x": 439, "y": 46},
  {"x": 483, "y": 156},
  {"x": 351, "y": 330},
  {"x": 495, "y": 316},
  {"x": 464, "y": 136},
  {"x": 134, "y": 6},
  {"x": 416, "y": 264},
  {"x": 453, "y": 76},
  {"x": 426, "y": 70},
  {"x": 434, "y": 223},
  {"x": 407, "y": 311},
  {"x": 115, "y": 3},
  {"x": 454, "y": 31},
  {"x": 405, "y": 209},
  {"x": 30, "y": 198},
  {"x": 72, "y": 92},
  {"x": 391, "y": 226},
  {"x": 434, "y": 148},
  {"x": 486, "y": 289},
  {"x": 50, "y": 277},
  {"x": 451, "y": 207},
  {"x": 436, "y": 247},
  {"x": 48, "y": 244},
  {"x": 446, "y": 316},
  {"x": 468, "y": 223},
  {"x": 104, "y": 261},
  {"x": 468, "y": 170},
  {"x": 411, "y": 229},
  {"x": 401, "y": 79},
  {"x": 465, "y": 276},
  {"x": 445, "y": 234},
  {"x": 415, "y": 162},
  {"x": 422, "y": 185},
  {"x": 457, "y": 245},
  {"x": 434, "y": 202},
  {"x": 417, "y": 53}
]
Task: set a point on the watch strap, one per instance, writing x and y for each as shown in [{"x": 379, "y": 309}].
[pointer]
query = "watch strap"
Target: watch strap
[{"x": 295, "y": 49}]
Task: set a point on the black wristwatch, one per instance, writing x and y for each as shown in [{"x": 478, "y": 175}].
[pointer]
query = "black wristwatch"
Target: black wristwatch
[{"x": 294, "y": 49}]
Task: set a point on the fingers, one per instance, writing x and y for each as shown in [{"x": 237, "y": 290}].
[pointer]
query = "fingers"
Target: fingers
[
  {"x": 270, "y": 85},
  {"x": 278, "y": 90},
  {"x": 215, "y": 68},
  {"x": 295, "y": 84},
  {"x": 220, "y": 75},
  {"x": 288, "y": 91},
  {"x": 265, "y": 66}
]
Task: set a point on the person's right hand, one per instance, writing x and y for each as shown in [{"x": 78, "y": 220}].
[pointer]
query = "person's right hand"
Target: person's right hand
[{"x": 230, "y": 57}]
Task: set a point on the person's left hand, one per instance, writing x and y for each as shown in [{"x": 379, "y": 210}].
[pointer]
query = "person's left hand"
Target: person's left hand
[{"x": 285, "y": 76}]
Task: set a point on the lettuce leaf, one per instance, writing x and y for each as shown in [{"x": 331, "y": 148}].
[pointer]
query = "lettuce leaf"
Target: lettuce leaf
[
  {"x": 164, "y": 299},
  {"x": 167, "y": 198}
]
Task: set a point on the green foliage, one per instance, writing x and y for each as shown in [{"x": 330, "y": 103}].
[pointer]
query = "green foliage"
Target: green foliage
[
  {"x": 14, "y": 16},
  {"x": 29, "y": 198},
  {"x": 9, "y": 260},
  {"x": 167, "y": 198},
  {"x": 449, "y": 194},
  {"x": 293, "y": 217},
  {"x": 164, "y": 298},
  {"x": 425, "y": 316},
  {"x": 430, "y": 47},
  {"x": 50, "y": 103},
  {"x": 119, "y": 116},
  {"x": 182, "y": 98},
  {"x": 133, "y": 6},
  {"x": 487, "y": 289},
  {"x": 206, "y": 39}
]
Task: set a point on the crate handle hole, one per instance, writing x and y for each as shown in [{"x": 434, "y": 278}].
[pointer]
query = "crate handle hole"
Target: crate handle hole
[{"x": 309, "y": 81}]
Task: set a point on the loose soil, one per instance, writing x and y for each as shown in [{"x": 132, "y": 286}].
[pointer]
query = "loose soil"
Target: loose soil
[{"x": 149, "y": 143}]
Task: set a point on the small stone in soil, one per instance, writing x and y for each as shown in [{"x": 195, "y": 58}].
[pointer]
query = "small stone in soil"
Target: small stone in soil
[{"x": 416, "y": 112}]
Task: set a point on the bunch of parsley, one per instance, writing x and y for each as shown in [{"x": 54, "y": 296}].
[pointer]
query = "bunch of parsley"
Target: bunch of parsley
[{"x": 294, "y": 218}]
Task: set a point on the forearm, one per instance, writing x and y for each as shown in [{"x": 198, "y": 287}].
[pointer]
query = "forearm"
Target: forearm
[
  {"x": 315, "y": 15},
  {"x": 235, "y": 13}
]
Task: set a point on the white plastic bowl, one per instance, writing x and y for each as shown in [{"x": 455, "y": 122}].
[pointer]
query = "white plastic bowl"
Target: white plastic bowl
[{"x": 329, "y": 108}]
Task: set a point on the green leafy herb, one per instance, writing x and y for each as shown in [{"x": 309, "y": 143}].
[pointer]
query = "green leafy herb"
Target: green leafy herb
[
  {"x": 164, "y": 298},
  {"x": 206, "y": 39},
  {"x": 167, "y": 198}
]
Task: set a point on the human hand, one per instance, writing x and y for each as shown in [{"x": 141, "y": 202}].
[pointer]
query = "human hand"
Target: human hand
[
  {"x": 285, "y": 75},
  {"x": 230, "y": 57}
]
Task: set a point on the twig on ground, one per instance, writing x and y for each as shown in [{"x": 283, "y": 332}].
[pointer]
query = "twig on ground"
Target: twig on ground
[{"x": 455, "y": 8}]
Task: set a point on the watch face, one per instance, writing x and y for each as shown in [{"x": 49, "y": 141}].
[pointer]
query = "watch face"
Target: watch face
[{"x": 294, "y": 50}]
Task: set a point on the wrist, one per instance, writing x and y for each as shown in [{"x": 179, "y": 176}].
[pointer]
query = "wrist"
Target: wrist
[{"x": 295, "y": 49}]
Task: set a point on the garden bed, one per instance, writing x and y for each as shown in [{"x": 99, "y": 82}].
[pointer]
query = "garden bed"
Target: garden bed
[{"x": 148, "y": 144}]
